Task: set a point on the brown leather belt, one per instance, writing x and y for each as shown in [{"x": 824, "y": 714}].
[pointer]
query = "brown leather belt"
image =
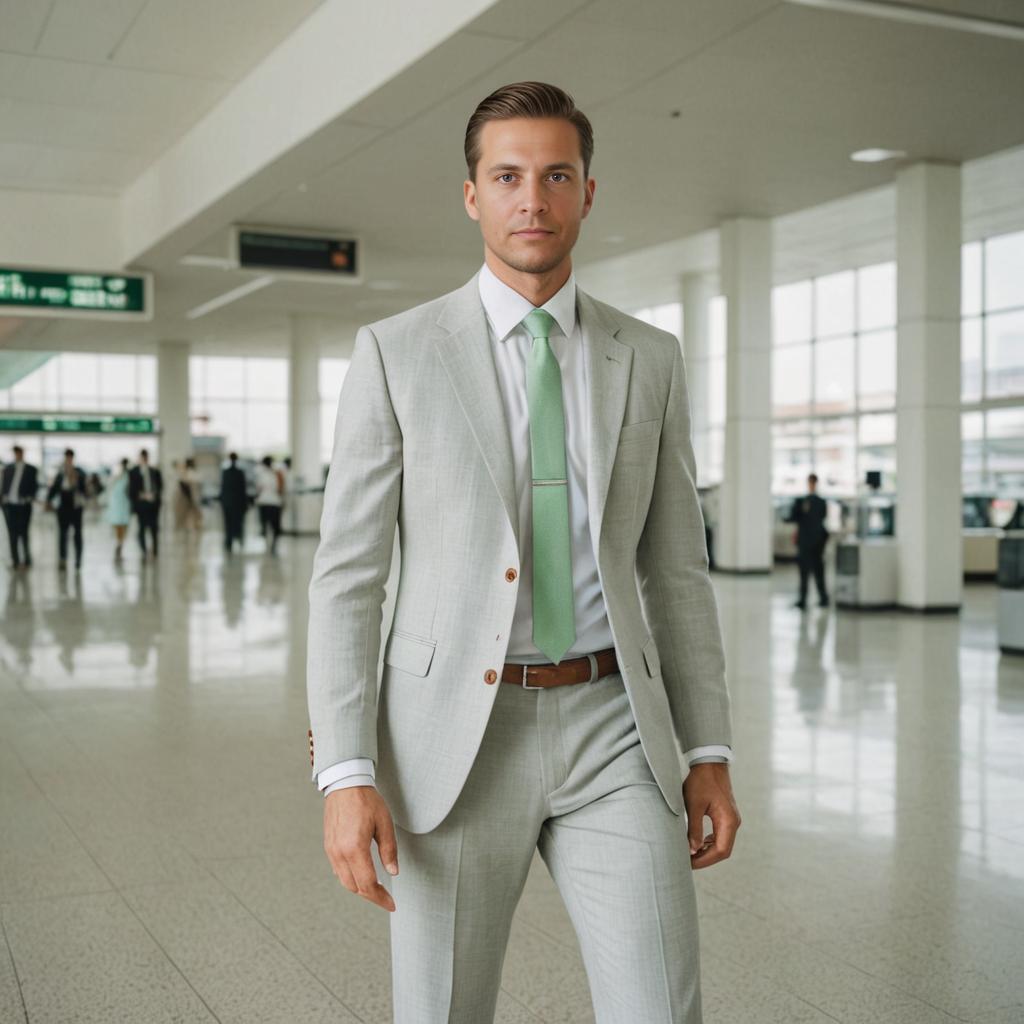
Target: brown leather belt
[{"x": 587, "y": 669}]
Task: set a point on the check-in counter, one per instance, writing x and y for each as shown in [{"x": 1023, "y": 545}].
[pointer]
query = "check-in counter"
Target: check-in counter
[{"x": 981, "y": 552}]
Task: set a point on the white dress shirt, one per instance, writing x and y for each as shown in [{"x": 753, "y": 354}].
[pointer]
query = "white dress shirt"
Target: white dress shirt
[{"x": 510, "y": 345}]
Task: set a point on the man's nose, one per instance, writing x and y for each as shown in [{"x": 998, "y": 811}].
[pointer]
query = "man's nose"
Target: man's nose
[{"x": 534, "y": 199}]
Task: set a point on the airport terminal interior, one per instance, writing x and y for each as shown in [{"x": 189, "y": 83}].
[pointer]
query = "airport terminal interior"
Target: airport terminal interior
[{"x": 202, "y": 202}]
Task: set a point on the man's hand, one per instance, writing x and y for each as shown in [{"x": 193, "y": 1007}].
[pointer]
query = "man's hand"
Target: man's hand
[
  {"x": 708, "y": 790},
  {"x": 352, "y": 817}
]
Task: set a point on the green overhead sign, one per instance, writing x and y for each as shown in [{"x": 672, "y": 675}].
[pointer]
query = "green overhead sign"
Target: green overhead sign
[
  {"x": 78, "y": 424},
  {"x": 76, "y": 294}
]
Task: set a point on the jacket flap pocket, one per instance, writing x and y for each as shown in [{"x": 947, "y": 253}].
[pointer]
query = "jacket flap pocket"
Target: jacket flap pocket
[
  {"x": 651, "y": 658},
  {"x": 409, "y": 653},
  {"x": 642, "y": 431}
]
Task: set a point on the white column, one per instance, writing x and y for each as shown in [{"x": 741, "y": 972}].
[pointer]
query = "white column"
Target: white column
[
  {"x": 697, "y": 292},
  {"x": 304, "y": 420},
  {"x": 172, "y": 401},
  {"x": 745, "y": 527},
  {"x": 928, "y": 512}
]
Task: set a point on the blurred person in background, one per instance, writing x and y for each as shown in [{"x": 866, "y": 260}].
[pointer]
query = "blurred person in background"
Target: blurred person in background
[
  {"x": 234, "y": 501},
  {"x": 269, "y": 501},
  {"x": 18, "y": 485},
  {"x": 67, "y": 497},
  {"x": 145, "y": 490},
  {"x": 187, "y": 509},
  {"x": 809, "y": 514},
  {"x": 119, "y": 507}
]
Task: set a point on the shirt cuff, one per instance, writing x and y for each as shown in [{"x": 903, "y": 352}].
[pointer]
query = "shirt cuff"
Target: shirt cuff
[
  {"x": 344, "y": 770},
  {"x": 349, "y": 782},
  {"x": 711, "y": 753}
]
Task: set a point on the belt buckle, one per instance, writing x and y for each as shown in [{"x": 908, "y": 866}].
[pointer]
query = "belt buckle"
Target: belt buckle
[{"x": 526, "y": 686}]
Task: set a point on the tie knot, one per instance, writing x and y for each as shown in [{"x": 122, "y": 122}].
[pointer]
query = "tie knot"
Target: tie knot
[{"x": 539, "y": 323}]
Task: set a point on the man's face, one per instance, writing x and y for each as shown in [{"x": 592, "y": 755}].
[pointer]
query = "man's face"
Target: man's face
[{"x": 530, "y": 194}]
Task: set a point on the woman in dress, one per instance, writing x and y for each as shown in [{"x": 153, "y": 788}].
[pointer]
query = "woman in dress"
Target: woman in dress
[{"x": 119, "y": 509}]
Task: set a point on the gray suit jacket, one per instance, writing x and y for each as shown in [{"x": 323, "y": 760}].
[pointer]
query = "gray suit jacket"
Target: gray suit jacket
[{"x": 421, "y": 440}]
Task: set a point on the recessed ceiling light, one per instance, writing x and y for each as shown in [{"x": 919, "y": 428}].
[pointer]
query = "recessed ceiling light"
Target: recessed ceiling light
[
  {"x": 874, "y": 156},
  {"x": 615, "y": 239}
]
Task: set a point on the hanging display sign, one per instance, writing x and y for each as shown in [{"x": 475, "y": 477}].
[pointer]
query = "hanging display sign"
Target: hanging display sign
[
  {"x": 63, "y": 293},
  {"x": 78, "y": 424},
  {"x": 292, "y": 252}
]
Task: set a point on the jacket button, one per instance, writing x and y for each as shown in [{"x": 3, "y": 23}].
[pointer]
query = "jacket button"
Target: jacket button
[
  {"x": 510, "y": 575},
  {"x": 490, "y": 676}
]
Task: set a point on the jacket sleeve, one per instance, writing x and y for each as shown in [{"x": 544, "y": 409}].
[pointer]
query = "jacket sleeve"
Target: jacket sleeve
[
  {"x": 352, "y": 562},
  {"x": 675, "y": 587}
]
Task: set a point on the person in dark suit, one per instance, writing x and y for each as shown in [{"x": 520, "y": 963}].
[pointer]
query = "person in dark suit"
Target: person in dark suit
[
  {"x": 145, "y": 490},
  {"x": 811, "y": 536},
  {"x": 234, "y": 500},
  {"x": 17, "y": 491},
  {"x": 67, "y": 496}
]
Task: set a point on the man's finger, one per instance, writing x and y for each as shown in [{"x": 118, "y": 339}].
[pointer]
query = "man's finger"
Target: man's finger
[
  {"x": 340, "y": 867},
  {"x": 695, "y": 831},
  {"x": 366, "y": 879},
  {"x": 387, "y": 844}
]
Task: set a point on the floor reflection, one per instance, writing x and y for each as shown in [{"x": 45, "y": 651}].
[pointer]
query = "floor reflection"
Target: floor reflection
[{"x": 153, "y": 750}]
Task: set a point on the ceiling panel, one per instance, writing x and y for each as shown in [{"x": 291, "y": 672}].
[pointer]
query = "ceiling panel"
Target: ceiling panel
[
  {"x": 22, "y": 22},
  {"x": 87, "y": 30},
  {"x": 223, "y": 38}
]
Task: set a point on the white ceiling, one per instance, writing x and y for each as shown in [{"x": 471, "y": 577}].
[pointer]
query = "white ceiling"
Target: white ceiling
[
  {"x": 92, "y": 91},
  {"x": 703, "y": 109}
]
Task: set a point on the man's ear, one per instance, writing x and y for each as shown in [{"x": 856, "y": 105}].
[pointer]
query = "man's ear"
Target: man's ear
[
  {"x": 469, "y": 199},
  {"x": 588, "y": 196}
]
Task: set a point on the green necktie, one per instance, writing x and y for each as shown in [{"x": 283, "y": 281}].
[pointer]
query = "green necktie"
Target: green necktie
[{"x": 554, "y": 625}]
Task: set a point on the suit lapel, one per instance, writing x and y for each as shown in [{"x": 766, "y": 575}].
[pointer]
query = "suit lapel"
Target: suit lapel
[
  {"x": 608, "y": 364},
  {"x": 465, "y": 351}
]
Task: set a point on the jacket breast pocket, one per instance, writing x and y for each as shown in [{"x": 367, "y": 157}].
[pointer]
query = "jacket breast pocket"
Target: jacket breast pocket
[{"x": 409, "y": 653}]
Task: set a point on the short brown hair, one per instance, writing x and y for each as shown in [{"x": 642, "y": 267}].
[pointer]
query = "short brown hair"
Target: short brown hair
[{"x": 527, "y": 99}]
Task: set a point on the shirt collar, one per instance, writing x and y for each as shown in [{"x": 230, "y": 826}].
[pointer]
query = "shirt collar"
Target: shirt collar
[{"x": 505, "y": 307}]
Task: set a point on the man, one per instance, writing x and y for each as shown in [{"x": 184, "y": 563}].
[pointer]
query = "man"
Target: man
[
  {"x": 809, "y": 514},
  {"x": 532, "y": 445},
  {"x": 234, "y": 501},
  {"x": 17, "y": 492},
  {"x": 145, "y": 490},
  {"x": 67, "y": 496}
]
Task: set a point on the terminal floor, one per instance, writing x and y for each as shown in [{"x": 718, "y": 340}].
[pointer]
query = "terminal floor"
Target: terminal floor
[{"x": 160, "y": 854}]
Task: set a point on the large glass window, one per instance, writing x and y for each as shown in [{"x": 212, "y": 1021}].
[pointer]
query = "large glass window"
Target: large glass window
[
  {"x": 332, "y": 376},
  {"x": 992, "y": 365},
  {"x": 242, "y": 399},
  {"x": 86, "y": 382},
  {"x": 834, "y": 359}
]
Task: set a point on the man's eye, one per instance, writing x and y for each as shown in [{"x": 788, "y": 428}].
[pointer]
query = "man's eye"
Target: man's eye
[
  {"x": 558, "y": 176},
  {"x": 506, "y": 178}
]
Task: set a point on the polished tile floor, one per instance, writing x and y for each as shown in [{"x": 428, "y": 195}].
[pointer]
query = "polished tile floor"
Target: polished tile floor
[{"x": 160, "y": 850}]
